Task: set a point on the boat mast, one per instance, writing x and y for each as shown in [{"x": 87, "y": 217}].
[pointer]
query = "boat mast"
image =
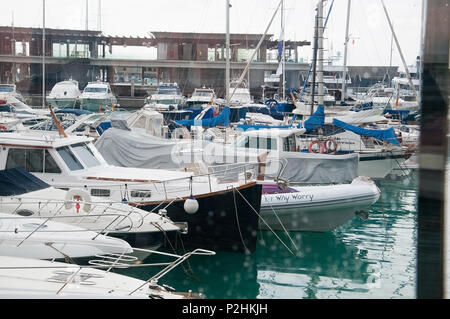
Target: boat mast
[
  {"x": 87, "y": 15},
  {"x": 43, "y": 54},
  {"x": 314, "y": 63},
  {"x": 400, "y": 51},
  {"x": 344, "y": 80},
  {"x": 256, "y": 49},
  {"x": 283, "y": 60},
  {"x": 227, "y": 55},
  {"x": 99, "y": 20},
  {"x": 320, "y": 52}
]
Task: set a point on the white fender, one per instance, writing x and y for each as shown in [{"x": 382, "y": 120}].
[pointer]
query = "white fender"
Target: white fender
[
  {"x": 191, "y": 205},
  {"x": 85, "y": 196}
]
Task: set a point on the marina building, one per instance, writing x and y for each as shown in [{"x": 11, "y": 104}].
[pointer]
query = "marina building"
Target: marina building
[{"x": 135, "y": 65}]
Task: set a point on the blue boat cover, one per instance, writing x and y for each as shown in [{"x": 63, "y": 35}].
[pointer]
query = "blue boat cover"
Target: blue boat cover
[
  {"x": 17, "y": 181},
  {"x": 385, "y": 135},
  {"x": 222, "y": 119},
  {"x": 77, "y": 112},
  {"x": 103, "y": 126},
  {"x": 197, "y": 111},
  {"x": 316, "y": 120}
]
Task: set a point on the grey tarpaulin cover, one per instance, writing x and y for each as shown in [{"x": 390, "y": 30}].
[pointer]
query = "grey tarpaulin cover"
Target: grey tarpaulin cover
[
  {"x": 135, "y": 149},
  {"x": 318, "y": 168},
  {"x": 138, "y": 149}
]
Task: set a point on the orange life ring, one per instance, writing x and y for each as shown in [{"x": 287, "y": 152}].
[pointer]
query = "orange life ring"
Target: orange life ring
[
  {"x": 321, "y": 149},
  {"x": 331, "y": 145}
]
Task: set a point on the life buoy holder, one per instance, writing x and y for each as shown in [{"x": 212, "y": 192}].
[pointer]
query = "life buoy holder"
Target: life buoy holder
[
  {"x": 331, "y": 145},
  {"x": 321, "y": 147},
  {"x": 80, "y": 194}
]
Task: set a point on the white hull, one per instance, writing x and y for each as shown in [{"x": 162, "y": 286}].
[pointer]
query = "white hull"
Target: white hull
[
  {"x": 317, "y": 208},
  {"x": 42, "y": 239},
  {"x": 379, "y": 165},
  {"x": 30, "y": 278}
]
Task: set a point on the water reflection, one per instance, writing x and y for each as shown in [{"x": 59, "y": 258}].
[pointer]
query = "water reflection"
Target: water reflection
[{"x": 373, "y": 258}]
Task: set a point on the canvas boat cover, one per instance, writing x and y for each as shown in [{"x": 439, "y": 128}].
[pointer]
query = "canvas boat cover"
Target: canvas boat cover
[
  {"x": 318, "y": 168},
  {"x": 136, "y": 148},
  {"x": 222, "y": 119},
  {"x": 17, "y": 181},
  {"x": 316, "y": 120},
  {"x": 387, "y": 135}
]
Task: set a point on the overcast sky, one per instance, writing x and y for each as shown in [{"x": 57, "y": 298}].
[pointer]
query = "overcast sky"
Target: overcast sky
[{"x": 369, "y": 31}]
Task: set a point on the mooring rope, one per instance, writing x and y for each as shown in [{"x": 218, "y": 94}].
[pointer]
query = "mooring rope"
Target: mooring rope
[
  {"x": 264, "y": 221},
  {"x": 189, "y": 271},
  {"x": 284, "y": 228},
  {"x": 237, "y": 221}
]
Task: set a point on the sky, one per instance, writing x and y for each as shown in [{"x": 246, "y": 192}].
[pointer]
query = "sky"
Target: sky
[{"x": 370, "y": 35}]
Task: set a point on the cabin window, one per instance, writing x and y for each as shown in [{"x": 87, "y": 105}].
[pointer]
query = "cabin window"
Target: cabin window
[
  {"x": 85, "y": 154},
  {"x": 267, "y": 143},
  {"x": 141, "y": 194},
  {"x": 30, "y": 160},
  {"x": 289, "y": 144},
  {"x": 69, "y": 158},
  {"x": 100, "y": 192},
  {"x": 50, "y": 165},
  {"x": 140, "y": 123}
]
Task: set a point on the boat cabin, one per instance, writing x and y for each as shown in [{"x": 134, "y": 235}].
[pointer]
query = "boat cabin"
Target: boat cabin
[{"x": 278, "y": 140}]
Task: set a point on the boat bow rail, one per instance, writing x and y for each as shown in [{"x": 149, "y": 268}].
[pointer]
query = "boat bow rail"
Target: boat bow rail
[{"x": 102, "y": 217}]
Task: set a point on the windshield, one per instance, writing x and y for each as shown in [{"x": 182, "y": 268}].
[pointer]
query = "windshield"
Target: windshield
[
  {"x": 84, "y": 153},
  {"x": 202, "y": 93},
  {"x": 167, "y": 91},
  {"x": 95, "y": 90},
  {"x": 6, "y": 89},
  {"x": 69, "y": 158},
  {"x": 165, "y": 101},
  {"x": 256, "y": 142}
]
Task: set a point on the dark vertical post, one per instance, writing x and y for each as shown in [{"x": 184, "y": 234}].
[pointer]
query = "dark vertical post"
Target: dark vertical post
[{"x": 433, "y": 150}]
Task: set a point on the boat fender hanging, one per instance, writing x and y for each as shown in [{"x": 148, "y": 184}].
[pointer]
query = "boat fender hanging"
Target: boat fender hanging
[
  {"x": 331, "y": 145},
  {"x": 321, "y": 150},
  {"x": 191, "y": 205},
  {"x": 84, "y": 195}
]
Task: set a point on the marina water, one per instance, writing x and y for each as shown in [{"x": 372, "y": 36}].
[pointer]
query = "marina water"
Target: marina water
[{"x": 366, "y": 258}]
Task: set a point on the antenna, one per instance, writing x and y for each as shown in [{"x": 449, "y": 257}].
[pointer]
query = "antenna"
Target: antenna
[{"x": 87, "y": 15}]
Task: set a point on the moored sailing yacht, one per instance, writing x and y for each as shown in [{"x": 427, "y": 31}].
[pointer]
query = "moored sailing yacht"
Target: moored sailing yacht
[{"x": 219, "y": 214}]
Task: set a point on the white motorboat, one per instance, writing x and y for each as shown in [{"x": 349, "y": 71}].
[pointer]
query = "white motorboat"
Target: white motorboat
[
  {"x": 44, "y": 238},
  {"x": 10, "y": 89},
  {"x": 28, "y": 278},
  {"x": 11, "y": 105},
  {"x": 97, "y": 97},
  {"x": 200, "y": 97},
  {"x": 241, "y": 95},
  {"x": 319, "y": 208},
  {"x": 23, "y": 194},
  {"x": 167, "y": 97},
  {"x": 64, "y": 94},
  {"x": 206, "y": 203}
]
